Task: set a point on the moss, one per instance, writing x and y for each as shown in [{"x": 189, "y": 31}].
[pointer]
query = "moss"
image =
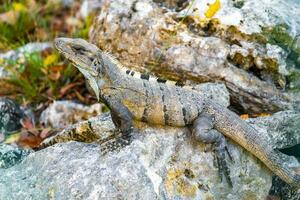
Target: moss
[
  {"x": 294, "y": 81},
  {"x": 238, "y": 3},
  {"x": 279, "y": 35}
]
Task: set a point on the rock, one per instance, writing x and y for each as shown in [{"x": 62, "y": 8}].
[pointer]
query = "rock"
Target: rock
[
  {"x": 161, "y": 162},
  {"x": 11, "y": 115},
  {"x": 283, "y": 128},
  {"x": 63, "y": 113},
  {"x": 148, "y": 37},
  {"x": 250, "y": 15},
  {"x": 268, "y": 61},
  {"x": 283, "y": 191},
  {"x": 10, "y": 155},
  {"x": 215, "y": 92},
  {"x": 89, "y": 6}
]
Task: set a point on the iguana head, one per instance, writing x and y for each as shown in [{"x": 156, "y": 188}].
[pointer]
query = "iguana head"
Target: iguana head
[{"x": 85, "y": 57}]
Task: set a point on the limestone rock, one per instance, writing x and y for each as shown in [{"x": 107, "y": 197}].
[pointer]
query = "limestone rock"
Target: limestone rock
[
  {"x": 11, "y": 115},
  {"x": 161, "y": 162},
  {"x": 283, "y": 128},
  {"x": 149, "y": 37},
  {"x": 64, "y": 113},
  {"x": 11, "y": 155}
]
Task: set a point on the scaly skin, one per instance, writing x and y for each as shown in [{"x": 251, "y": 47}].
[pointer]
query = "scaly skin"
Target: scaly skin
[{"x": 131, "y": 95}]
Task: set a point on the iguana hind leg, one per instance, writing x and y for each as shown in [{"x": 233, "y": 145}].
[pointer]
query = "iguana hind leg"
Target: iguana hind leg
[{"x": 204, "y": 131}]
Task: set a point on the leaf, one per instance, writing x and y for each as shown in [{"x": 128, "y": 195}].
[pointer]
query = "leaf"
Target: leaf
[
  {"x": 29, "y": 138},
  {"x": 46, "y": 133},
  {"x": 213, "y": 9},
  {"x": 50, "y": 59},
  {"x": 12, "y": 138},
  {"x": 1, "y": 61},
  {"x": 19, "y": 7},
  {"x": 66, "y": 88},
  {"x": 244, "y": 116}
]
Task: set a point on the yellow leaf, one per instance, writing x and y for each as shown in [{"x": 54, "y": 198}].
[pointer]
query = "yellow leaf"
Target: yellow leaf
[
  {"x": 213, "y": 9},
  {"x": 19, "y": 7},
  {"x": 50, "y": 59},
  {"x": 12, "y": 138},
  {"x": 1, "y": 61}
]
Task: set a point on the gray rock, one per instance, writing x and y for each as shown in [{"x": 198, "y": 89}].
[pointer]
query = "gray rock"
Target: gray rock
[
  {"x": 10, "y": 116},
  {"x": 60, "y": 114},
  {"x": 11, "y": 155},
  {"x": 161, "y": 162},
  {"x": 215, "y": 92},
  {"x": 282, "y": 128},
  {"x": 283, "y": 191}
]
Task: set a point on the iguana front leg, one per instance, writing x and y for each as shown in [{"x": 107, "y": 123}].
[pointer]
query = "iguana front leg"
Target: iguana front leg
[
  {"x": 204, "y": 131},
  {"x": 121, "y": 116}
]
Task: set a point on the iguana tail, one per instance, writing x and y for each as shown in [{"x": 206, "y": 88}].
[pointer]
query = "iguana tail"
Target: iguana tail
[
  {"x": 273, "y": 160},
  {"x": 230, "y": 125}
]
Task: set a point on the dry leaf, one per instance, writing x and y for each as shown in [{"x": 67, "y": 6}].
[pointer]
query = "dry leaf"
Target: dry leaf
[
  {"x": 66, "y": 88},
  {"x": 244, "y": 116}
]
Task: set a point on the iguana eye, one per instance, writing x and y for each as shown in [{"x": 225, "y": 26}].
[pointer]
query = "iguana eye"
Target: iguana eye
[{"x": 79, "y": 49}]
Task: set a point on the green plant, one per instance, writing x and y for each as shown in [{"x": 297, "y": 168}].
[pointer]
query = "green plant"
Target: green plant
[{"x": 38, "y": 78}]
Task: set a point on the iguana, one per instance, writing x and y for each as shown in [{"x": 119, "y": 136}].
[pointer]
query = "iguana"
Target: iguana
[{"x": 134, "y": 96}]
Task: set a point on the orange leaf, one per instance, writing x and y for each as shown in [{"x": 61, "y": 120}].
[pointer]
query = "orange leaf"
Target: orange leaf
[
  {"x": 244, "y": 116},
  {"x": 46, "y": 133},
  {"x": 29, "y": 139},
  {"x": 66, "y": 88},
  {"x": 54, "y": 76}
]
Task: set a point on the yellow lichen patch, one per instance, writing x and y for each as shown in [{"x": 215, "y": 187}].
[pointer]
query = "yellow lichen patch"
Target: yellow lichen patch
[
  {"x": 176, "y": 183},
  {"x": 84, "y": 133},
  {"x": 213, "y": 9}
]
